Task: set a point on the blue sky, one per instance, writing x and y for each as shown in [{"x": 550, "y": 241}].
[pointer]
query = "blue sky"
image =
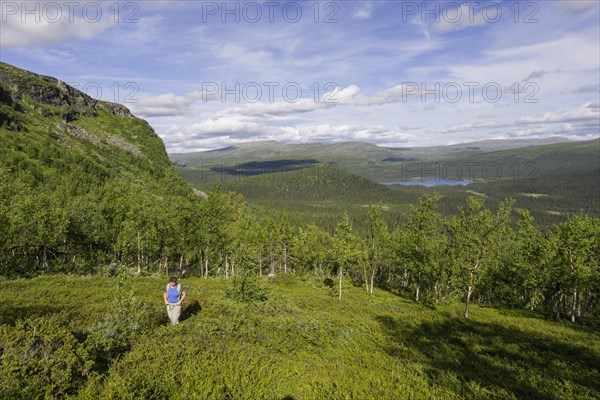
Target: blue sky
[{"x": 395, "y": 73}]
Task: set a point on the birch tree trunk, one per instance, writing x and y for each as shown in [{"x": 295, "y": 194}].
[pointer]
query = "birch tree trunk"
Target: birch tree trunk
[
  {"x": 469, "y": 292},
  {"x": 139, "y": 254},
  {"x": 417, "y": 293},
  {"x": 340, "y": 278},
  {"x": 574, "y": 306},
  {"x": 226, "y": 266},
  {"x": 285, "y": 258}
]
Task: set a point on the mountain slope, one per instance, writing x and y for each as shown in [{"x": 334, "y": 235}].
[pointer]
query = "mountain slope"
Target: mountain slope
[
  {"x": 83, "y": 183},
  {"x": 46, "y": 124}
]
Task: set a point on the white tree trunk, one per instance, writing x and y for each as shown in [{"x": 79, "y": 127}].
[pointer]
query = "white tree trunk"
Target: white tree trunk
[
  {"x": 340, "y": 276},
  {"x": 469, "y": 292},
  {"x": 574, "y": 307}
]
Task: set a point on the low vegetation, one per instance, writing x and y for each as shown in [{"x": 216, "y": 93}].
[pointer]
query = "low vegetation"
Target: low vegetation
[{"x": 299, "y": 343}]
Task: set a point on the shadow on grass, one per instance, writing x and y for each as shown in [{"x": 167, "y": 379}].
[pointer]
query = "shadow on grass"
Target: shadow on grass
[
  {"x": 506, "y": 361},
  {"x": 192, "y": 309},
  {"x": 10, "y": 314}
]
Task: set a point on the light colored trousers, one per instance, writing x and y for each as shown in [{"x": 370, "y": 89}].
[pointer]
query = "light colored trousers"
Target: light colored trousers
[{"x": 173, "y": 310}]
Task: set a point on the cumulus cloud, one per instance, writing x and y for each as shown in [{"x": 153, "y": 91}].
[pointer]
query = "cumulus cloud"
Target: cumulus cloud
[
  {"x": 170, "y": 105},
  {"x": 582, "y": 122},
  {"x": 222, "y": 132},
  {"x": 39, "y": 23},
  {"x": 395, "y": 94},
  {"x": 587, "y": 112},
  {"x": 336, "y": 97}
]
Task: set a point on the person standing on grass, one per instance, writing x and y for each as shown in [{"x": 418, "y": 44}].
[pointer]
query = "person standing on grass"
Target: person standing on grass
[{"x": 173, "y": 296}]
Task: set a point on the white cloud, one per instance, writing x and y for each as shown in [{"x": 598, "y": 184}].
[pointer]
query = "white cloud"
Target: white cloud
[
  {"x": 582, "y": 122},
  {"x": 170, "y": 105},
  {"x": 364, "y": 10},
  {"x": 336, "y": 97},
  {"x": 222, "y": 132},
  {"x": 587, "y": 112},
  {"x": 395, "y": 94},
  {"x": 34, "y": 23},
  {"x": 458, "y": 18}
]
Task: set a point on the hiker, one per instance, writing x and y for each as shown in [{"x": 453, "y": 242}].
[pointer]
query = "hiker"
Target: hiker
[{"x": 173, "y": 296}]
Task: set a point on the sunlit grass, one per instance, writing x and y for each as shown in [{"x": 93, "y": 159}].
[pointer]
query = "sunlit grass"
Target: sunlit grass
[{"x": 303, "y": 343}]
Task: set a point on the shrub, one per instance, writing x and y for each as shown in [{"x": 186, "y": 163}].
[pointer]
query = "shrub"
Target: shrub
[
  {"x": 125, "y": 318},
  {"x": 246, "y": 289},
  {"x": 41, "y": 358}
]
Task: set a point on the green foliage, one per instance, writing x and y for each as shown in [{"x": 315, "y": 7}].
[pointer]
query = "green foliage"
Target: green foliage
[
  {"x": 576, "y": 246},
  {"x": 124, "y": 318},
  {"x": 246, "y": 289},
  {"x": 421, "y": 247},
  {"x": 302, "y": 343},
  {"x": 40, "y": 357}
]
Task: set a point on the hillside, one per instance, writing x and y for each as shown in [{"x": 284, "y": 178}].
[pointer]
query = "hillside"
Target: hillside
[
  {"x": 301, "y": 343},
  {"x": 72, "y": 172},
  {"x": 47, "y": 126},
  {"x": 266, "y": 151}
]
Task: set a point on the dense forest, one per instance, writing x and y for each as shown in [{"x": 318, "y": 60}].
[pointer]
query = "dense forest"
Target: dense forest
[{"x": 74, "y": 226}]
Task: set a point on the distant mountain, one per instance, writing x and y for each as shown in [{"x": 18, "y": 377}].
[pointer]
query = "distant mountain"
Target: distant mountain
[
  {"x": 334, "y": 152},
  {"x": 552, "y": 177}
]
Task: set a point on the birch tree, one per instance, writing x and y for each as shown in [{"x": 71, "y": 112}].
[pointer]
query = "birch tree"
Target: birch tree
[
  {"x": 576, "y": 244},
  {"x": 473, "y": 236},
  {"x": 347, "y": 248},
  {"x": 422, "y": 244}
]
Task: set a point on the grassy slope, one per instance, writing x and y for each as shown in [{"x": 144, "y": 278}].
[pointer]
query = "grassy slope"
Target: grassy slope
[
  {"x": 47, "y": 127},
  {"x": 305, "y": 344}
]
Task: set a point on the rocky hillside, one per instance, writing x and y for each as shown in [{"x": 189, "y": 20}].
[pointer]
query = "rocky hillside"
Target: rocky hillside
[
  {"x": 47, "y": 125},
  {"x": 83, "y": 183}
]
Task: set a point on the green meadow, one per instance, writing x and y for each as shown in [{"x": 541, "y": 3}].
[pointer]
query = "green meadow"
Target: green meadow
[{"x": 287, "y": 337}]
